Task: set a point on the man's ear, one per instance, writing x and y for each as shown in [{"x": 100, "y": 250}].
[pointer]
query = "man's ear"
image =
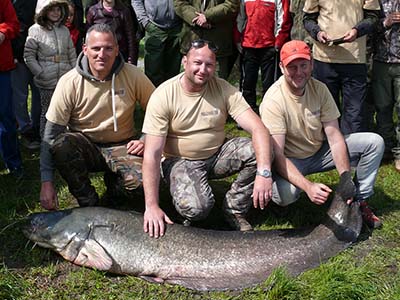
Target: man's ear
[
  {"x": 281, "y": 66},
  {"x": 184, "y": 61},
  {"x": 84, "y": 49}
]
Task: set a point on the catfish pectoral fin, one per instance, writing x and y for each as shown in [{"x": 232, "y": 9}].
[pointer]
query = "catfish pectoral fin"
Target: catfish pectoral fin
[{"x": 93, "y": 255}]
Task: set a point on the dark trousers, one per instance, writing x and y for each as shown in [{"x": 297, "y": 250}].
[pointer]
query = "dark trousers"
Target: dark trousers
[
  {"x": 253, "y": 60},
  {"x": 75, "y": 156},
  {"x": 162, "y": 57},
  {"x": 348, "y": 86},
  {"x": 8, "y": 126}
]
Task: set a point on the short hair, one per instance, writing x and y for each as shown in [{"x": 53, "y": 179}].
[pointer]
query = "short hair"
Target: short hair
[{"x": 101, "y": 27}]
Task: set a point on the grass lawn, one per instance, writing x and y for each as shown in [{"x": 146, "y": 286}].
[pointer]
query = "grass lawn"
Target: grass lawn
[{"x": 368, "y": 270}]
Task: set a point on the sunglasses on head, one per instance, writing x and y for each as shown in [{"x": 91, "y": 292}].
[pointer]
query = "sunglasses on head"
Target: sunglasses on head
[{"x": 198, "y": 44}]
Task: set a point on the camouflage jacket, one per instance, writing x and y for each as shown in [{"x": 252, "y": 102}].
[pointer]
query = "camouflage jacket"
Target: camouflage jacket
[{"x": 386, "y": 40}]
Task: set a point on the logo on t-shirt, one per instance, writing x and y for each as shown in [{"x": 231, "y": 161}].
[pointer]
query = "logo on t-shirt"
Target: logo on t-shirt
[
  {"x": 120, "y": 92},
  {"x": 316, "y": 113},
  {"x": 214, "y": 112}
]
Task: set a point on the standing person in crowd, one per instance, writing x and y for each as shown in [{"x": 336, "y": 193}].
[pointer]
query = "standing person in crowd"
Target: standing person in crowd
[
  {"x": 96, "y": 101},
  {"x": 302, "y": 117},
  {"x": 119, "y": 17},
  {"x": 339, "y": 29},
  {"x": 162, "y": 58},
  {"x": 72, "y": 23},
  {"x": 211, "y": 21},
  {"x": 49, "y": 52},
  {"x": 386, "y": 76},
  {"x": 185, "y": 121},
  {"x": 9, "y": 28},
  {"x": 264, "y": 26},
  {"x": 22, "y": 80}
]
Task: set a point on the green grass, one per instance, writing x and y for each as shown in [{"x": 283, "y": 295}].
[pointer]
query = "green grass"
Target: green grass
[{"x": 368, "y": 270}]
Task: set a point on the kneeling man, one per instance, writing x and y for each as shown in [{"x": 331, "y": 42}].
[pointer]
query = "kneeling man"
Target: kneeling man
[
  {"x": 302, "y": 117},
  {"x": 184, "y": 122}
]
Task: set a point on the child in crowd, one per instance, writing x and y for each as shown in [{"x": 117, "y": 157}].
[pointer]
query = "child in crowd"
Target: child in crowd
[
  {"x": 72, "y": 24},
  {"x": 49, "y": 52}
]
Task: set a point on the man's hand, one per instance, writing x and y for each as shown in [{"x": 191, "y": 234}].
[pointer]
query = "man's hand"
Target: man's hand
[
  {"x": 391, "y": 19},
  {"x": 201, "y": 21},
  {"x": 350, "y": 36},
  {"x": 48, "y": 196},
  {"x": 323, "y": 37},
  {"x": 262, "y": 191},
  {"x": 135, "y": 147},
  {"x": 154, "y": 222},
  {"x": 318, "y": 193}
]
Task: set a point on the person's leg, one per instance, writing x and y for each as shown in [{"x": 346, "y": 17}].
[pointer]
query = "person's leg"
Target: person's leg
[
  {"x": 20, "y": 81},
  {"x": 127, "y": 167},
  {"x": 74, "y": 157},
  {"x": 8, "y": 131},
  {"x": 354, "y": 89},
  {"x": 327, "y": 73},
  {"x": 35, "y": 108},
  {"x": 251, "y": 64},
  {"x": 223, "y": 67},
  {"x": 365, "y": 152},
  {"x": 395, "y": 71},
  {"x": 153, "y": 53},
  {"x": 383, "y": 101},
  {"x": 268, "y": 65},
  {"x": 171, "y": 54},
  {"x": 188, "y": 183},
  {"x": 285, "y": 193},
  {"x": 236, "y": 156},
  {"x": 45, "y": 98}
]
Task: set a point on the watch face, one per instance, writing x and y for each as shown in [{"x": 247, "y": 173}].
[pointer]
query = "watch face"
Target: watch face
[{"x": 264, "y": 173}]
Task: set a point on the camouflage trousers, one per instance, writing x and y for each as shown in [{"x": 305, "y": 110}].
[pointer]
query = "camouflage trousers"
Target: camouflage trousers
[
  {"x": 75, "y": 156},
  {"x": 188, "y": 180}
]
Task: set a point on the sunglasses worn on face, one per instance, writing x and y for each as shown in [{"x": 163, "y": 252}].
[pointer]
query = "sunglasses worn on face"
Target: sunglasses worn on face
[{"x": 198, "y": 44}]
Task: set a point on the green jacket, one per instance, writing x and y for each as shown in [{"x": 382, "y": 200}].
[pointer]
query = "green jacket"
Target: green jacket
[{"x": 219, "y": 13}]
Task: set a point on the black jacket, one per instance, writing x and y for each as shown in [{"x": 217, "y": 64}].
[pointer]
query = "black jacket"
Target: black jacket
[{"x": 25, "y": 10}]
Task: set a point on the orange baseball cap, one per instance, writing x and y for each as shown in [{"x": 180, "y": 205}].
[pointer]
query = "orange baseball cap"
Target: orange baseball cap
[{"x": 293, "y": 50}]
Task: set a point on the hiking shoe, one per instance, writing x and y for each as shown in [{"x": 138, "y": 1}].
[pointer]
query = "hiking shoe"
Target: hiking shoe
[
  {"x": 238, "y": 222},
  {"x": 368, "y": 216}
]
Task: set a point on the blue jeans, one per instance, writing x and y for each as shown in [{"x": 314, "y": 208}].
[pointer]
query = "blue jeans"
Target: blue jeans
[
  {"x": 365, "y": 151},
  {"x": 21, "y": 79},
  {"x": 8, "y": 131}
]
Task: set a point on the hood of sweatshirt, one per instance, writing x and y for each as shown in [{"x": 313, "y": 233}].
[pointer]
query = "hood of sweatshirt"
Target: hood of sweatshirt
[{"x": 43, "y": 6}]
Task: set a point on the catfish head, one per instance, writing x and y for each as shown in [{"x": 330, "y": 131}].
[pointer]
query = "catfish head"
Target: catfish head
[{"x": 56, "y": 230}]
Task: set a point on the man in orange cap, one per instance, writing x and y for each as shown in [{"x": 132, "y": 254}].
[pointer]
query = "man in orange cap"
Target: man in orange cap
[{"x": 302, "y": 117}]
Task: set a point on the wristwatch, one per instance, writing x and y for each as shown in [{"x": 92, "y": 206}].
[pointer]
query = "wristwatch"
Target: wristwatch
[{"x": 264, "y": 173}]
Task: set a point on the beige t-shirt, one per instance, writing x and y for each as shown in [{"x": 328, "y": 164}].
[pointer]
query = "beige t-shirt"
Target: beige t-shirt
[
  {"x": 86, "y": 106},
  {"x": 192, "y": 122},
  {"x": 336, "y": 17},
  {"x": 300, "y": 118}
]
